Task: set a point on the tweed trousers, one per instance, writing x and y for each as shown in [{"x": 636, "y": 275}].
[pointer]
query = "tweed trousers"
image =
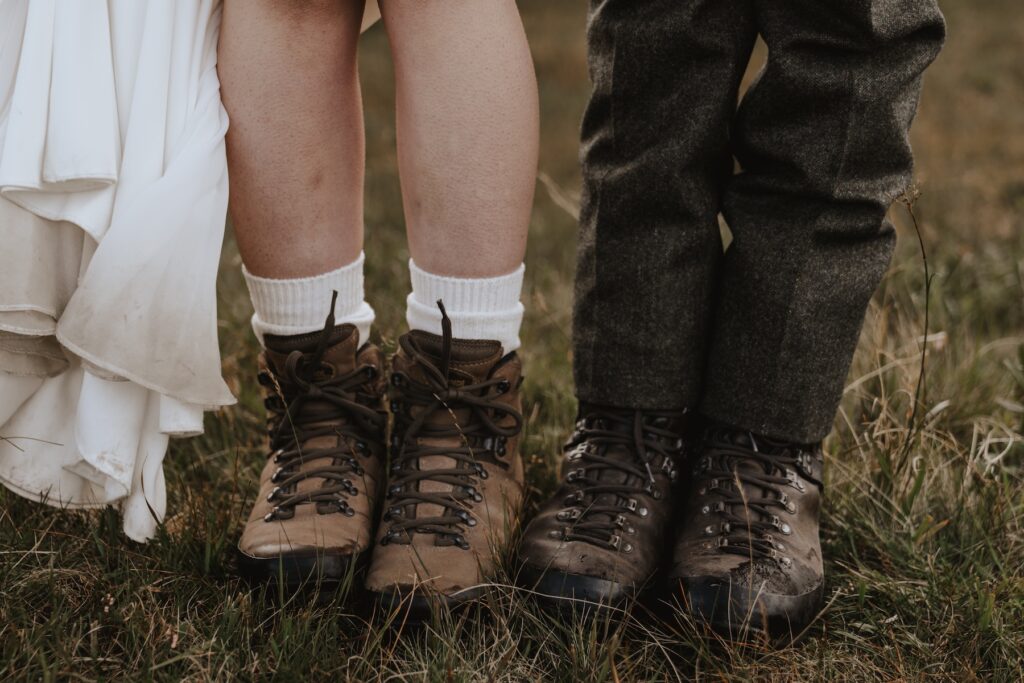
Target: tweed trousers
[{"x": 762, "y": 335}]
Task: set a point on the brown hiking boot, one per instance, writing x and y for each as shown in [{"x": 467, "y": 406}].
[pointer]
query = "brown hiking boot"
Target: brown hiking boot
[
  {"x": 456, "y": 476},
  {"x": 748, "y": 557},
  {"x": 602, "y": 537},
  {"x": 314, "y": 514}
]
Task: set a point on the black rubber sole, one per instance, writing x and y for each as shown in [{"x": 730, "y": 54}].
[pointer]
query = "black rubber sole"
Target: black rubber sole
[
  {"x": 407, "y": 606},
  {"x": 739, "y": 614},
  {"x": 302, "y": 570},
  {"x": 584, "y": 596}
]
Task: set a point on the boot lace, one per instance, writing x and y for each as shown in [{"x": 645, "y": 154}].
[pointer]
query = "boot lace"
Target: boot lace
[
  {"x": 342, "y": 409},
  {"x": 483, "y": 438},
  {"x": 744, "y": 472},
  {"x": 601, "y": 502}
]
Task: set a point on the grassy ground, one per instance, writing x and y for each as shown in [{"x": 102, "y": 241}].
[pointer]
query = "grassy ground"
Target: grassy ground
[{"x": 924, "y": 526}]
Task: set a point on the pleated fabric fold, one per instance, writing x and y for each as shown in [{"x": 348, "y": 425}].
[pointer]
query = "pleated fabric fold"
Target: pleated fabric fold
[{"x": 113, "y": 195}]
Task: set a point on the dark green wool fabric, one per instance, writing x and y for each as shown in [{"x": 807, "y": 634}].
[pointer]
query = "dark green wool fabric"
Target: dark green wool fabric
[{"x": 762, "y": 336}]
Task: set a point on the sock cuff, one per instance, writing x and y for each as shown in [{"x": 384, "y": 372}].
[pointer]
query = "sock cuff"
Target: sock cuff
[
  {"x": 301, "y": 302},
  {"x": 299, "y": 305},
  {"x": 474, "y": 295},
  {"x": 479, "y": 308}
]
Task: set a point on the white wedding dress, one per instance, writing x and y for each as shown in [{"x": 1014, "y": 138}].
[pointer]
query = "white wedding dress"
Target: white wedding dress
[{"x": 113, "y": 194}]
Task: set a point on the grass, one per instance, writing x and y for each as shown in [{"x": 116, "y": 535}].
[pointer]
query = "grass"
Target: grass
[{"x": 924, "y": 522}]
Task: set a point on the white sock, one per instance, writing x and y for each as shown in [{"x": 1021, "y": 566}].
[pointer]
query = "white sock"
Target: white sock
[
  {"x": 479, "y": 308},
  {"x": 300, "y": 305}
]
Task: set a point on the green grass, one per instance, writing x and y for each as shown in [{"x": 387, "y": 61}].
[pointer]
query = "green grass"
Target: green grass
[{"x": 924, "y": 522}]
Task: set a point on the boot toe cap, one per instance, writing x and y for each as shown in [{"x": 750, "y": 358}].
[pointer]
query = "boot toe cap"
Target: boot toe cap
[{"x": 738, "y": 609}]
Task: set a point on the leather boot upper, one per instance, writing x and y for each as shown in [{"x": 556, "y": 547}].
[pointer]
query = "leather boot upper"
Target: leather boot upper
[
  {"x": 456, "y": 479},
  {"x": 610, "y": 515},
  {"x": 326, "y": 424},
  {"x": 751, "y": 516}
]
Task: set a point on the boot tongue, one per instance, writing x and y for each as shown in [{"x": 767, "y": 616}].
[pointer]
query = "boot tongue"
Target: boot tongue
[
  {"x": 340, "y": 353},
  {"x": 472, "y": 360}
]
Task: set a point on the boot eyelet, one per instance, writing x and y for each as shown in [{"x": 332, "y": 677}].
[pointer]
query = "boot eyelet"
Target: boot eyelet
[
  {"x": 273, "y": 494},
  {"x": 630, "y": 530},
  {"x": 504, "y": 386},
  {"x": 278, "y": 514},
  {"x": 615, "y": 541},
  {"x": 705, "y": 510},
  {"x": 709, "y": 530},
  {"x": 397, "y": 380},
  {"x": 461, "y": 541},
  {"x": 786, "y": 529},
  {"x": 276, "y": 476},
  {"x": 786, "y": 561},
  {"x": 620, "y": 521},
  {"x": 556, "y": 533},
  {"x": 627, "y": 548},
  {"x": 371, "y": 372},
  {"x": 643, "y": 512}
]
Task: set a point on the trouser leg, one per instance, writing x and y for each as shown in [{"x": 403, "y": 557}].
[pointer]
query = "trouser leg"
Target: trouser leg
[
  {"x": 655, "y": 155},
  {"x": 822, "y": 139}
]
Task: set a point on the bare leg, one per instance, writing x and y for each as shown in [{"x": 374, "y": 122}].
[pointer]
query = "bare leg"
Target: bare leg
[
  {"x": 467, "y": 132},
  {"x": 296, "y": 143}
]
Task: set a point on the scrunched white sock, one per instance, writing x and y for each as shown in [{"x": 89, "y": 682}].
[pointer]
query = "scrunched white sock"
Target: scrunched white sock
[
  {"x": 301, "y": 305},
  {"x": 479, "y": 308}
]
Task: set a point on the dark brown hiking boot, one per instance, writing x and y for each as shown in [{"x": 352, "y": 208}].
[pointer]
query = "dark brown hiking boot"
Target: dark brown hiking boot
[
  {"x": 314, "y": 514},
  {"x": 603, "y": 536},
  {"x": 456, "y": 478},
  {"x": 748, "y": 557}
]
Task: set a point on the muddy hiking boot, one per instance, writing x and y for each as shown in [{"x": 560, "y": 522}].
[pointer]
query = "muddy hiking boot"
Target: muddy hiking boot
[
  {"x": 747, "y": 559},
  {"x": 602, "y": 538},
  {"x": 456, "y": 478},
  {"x": 314, "y": 514}
]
